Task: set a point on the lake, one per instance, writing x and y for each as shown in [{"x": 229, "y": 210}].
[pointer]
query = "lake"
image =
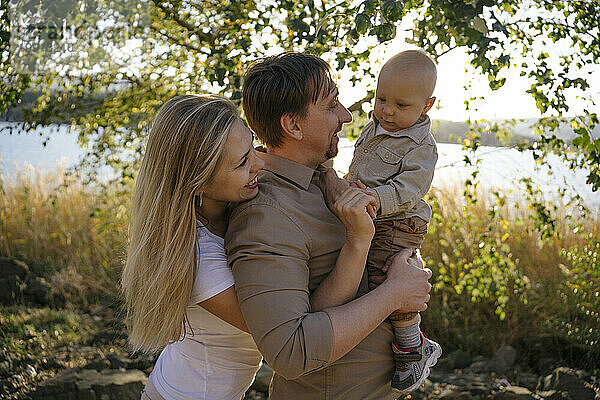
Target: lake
[{"x": 500, "y": 167}]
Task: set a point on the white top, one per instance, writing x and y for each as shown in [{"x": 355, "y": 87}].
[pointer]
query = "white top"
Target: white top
[{"x": 218, "y": 361}]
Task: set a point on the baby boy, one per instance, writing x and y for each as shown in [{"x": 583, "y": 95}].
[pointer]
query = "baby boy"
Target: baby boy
[{"x": 395, "y": 156}]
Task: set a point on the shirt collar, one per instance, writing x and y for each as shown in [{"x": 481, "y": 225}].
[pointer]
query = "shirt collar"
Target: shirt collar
[
  {"x": 297, "y": 173},
  {"x": 417, "y": 132}
]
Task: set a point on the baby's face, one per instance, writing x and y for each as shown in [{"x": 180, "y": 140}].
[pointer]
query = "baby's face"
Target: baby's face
[{"x": 400, "y": 99}]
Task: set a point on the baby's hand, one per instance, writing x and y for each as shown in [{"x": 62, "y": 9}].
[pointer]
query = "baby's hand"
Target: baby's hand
[{"x": 370, "y": 192}]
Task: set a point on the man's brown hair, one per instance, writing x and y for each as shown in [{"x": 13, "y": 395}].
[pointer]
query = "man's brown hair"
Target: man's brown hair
[{"x": 279, "y": 85}]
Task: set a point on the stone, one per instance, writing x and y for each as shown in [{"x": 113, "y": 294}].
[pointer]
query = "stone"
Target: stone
[
  {"x": 458, "y": 359},
  {"x": 457, "y": 396},
  {"x": 462, "y": 359},
  {"x": 503, "y": 359},
  {"x": 13, "y": 274},
  {"x": 479, "y": 366},
  {"x": 514, "y": 393},
  {"x": 525, "y": 379},
  {"x": 262, "y": 380},
  {"x": 478, "y": 390},
  {"x": 117, "y": 361},
  {"x": 554, "y": 395},
  {"x": 39, "y": 291},
  {"x": 568, "y": 380},
  {"x": 90, "y": 384}
]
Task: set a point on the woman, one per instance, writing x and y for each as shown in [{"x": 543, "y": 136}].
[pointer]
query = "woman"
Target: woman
[{"x": 178, "y": 288}]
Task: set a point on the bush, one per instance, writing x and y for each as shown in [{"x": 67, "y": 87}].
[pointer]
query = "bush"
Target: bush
[{"x": 496, "y": 279}]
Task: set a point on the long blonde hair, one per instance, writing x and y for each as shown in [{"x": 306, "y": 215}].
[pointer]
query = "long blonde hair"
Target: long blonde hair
[{"x": 185, "y": 146}]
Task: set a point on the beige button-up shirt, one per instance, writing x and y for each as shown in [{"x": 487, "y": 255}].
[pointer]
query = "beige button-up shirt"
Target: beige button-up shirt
[
  {"x": 399, "y": 166},
  {"x": 280, "y": 246}
]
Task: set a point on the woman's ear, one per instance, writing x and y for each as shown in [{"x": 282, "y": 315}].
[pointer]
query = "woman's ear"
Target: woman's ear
[{"x": 290, "y": 126}]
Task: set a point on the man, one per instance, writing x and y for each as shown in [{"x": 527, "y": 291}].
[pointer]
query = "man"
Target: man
[{"x": 283, "y": 243}]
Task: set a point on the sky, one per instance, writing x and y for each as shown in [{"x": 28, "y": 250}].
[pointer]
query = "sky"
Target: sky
[{"x": 510, "y": 101}]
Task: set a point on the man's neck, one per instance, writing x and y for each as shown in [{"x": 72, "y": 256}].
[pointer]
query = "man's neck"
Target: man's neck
[{"x": 297, "y": 155}]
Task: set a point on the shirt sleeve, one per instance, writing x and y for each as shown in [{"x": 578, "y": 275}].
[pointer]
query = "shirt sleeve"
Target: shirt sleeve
[
  {"x": 268, "y": 254},
  {"x": 213, "y": 275},
  {"x": 404, "y": 190}
]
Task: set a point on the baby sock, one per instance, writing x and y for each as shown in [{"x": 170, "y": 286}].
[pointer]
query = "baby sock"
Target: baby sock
[{"x": 408, "y": 336}]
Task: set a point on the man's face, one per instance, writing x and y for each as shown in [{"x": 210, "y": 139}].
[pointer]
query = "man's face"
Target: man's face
[
  {"x": 320, "y": 126},
  {"x": 400, "y": 100}
]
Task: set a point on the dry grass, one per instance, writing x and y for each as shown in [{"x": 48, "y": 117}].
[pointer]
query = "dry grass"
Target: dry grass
[{"x": 64, "y": 230}]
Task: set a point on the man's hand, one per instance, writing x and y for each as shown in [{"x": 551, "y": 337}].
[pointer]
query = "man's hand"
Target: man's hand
[
  {"x": 351, "y": 207},
  {"x": 376, "y": 280},
  {"x": 409, "y": 280},
  {"x": 334, "y": 187}
]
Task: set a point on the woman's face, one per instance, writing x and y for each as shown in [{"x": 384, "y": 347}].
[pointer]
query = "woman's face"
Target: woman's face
[{"x": 235, "y": 178}]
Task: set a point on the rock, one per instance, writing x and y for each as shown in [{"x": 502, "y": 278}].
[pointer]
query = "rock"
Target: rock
[
  {"x": 456, "y": 396},
  {"x": 98, "y": 364},
  {"x": 462, "y": 359},
  {"x": 568, "y": 380},
  {"x": 479, "y": 366},
  {"x": 117, "y": 361},
  {"x": 39, "y": 291},
  {"x": 479, "y": 390},
  {"x": 525, "y": 379},
  {"x": 13, "y": 274},
  {"x": 445, "y": 363},
  {"x": 262, "y": 379},
  {"x": 514, "y": 393},
  {"x": 554, "y": 395},
  {"x": 90, "y": 384},
  {"x": 502, "y": 360},
  {"x": 458, "y": 359}
]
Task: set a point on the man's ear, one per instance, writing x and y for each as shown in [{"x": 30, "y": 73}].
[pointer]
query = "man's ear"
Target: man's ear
[
  {"x": 428, "y": 105},
  {"x": 290, "y": 126}
]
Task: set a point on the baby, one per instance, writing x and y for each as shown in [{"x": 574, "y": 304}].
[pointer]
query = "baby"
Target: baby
[{"x": 395, "y": 156}]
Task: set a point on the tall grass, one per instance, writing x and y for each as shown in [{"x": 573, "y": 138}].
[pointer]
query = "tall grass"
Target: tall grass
[
  {"x": 72, "y": 234},
  {"x": 496, "y": 280}
]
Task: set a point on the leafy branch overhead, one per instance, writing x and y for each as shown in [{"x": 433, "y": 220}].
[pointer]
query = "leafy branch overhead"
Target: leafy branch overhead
[{"x": 108, "y": 79}]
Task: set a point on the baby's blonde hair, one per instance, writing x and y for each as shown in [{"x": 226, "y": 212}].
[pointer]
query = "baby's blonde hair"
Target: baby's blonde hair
[
  {"x": 416, "y": 63},
  {"x": 184, "y": 149}
]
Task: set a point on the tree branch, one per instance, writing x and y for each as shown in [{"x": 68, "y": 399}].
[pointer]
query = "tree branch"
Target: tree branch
[{"x": 356, "y": 106}]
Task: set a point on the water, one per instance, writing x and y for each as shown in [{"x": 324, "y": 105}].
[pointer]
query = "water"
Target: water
[{"x": 500, "y": 168}]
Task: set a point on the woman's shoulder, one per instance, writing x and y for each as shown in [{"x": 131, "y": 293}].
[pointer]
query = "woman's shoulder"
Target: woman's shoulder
[{"x": 213, "y": 275}]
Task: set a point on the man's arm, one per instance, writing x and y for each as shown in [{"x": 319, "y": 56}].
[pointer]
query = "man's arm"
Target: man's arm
[
  {"x": 341, "y": 285},
  {"x": 268, "y": 254},
  {"x": 407, "y": 188}
]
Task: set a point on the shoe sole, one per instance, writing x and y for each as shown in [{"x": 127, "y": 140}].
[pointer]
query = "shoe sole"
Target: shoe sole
[{"x": 426, "y": 371}]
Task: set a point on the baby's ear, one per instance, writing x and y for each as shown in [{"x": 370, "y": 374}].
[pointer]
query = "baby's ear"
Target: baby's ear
[{"x": 428, "y": 105}]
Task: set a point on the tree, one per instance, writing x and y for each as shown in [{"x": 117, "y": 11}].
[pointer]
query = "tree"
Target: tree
[{"x": 92, "y": 76}]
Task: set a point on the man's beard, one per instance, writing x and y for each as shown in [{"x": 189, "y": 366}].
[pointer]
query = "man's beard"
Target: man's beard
[{"x": 333, "y": 149}]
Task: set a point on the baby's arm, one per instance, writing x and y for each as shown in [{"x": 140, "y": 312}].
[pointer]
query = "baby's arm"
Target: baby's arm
[{"x": 404, "y": 190}]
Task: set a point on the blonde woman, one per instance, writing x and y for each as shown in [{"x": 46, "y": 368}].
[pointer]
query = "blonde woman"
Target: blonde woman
[{"x": 179, "y": 291}]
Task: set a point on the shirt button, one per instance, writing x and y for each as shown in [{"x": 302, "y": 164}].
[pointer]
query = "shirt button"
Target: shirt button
[{"x": 366, "y": 151}]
